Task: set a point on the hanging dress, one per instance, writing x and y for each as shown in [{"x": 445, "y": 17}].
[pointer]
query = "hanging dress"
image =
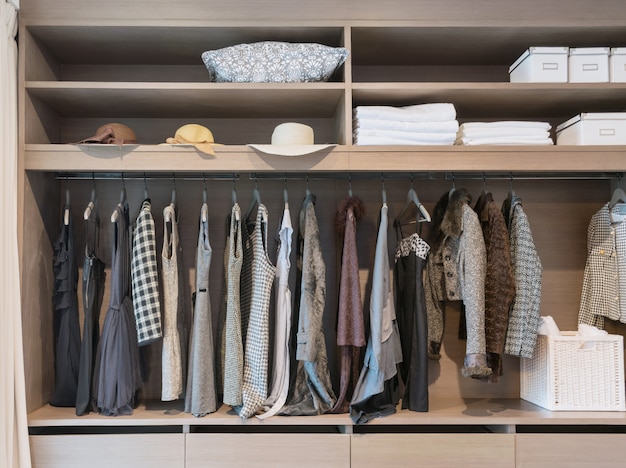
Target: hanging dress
[
  {"x": 201, "y": 394},
  {"x": 411, "y": 254},
  {"x": 310, "y": 391},
  {"x": 93, "y": 295},
  {"x": 376, "y": 392},
  {"x": 65, "y": 320},
  {"x": 280, "y": 368},
  {"x": 256, "y": 351},
  {"x": 172, "y": 357},
  {"x": 233, "y": 343},
  {"x": 117, "y": 375},
  {"x": 350, "y": 323}
]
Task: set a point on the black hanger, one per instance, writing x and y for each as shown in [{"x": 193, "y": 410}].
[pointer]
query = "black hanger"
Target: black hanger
[
  {"x": 412, "y": 200},
  {"x": 66, "y": 210},
  {"x": 286, "y": 194},
  {"x": 349, "y": 185},
  {"x": 146, "y": 196},
  {"x": 619, "y": 196},
  {"x": 509, "y": 198},
  {"x": 383, "y": 191},
  {"x": 92, "y": 202},
  {"x": 256, "y": 198},
  {"x": 122, "y": 200},
  {"x": 308, "y": 191},
  {"x": 204, "y": 214}
]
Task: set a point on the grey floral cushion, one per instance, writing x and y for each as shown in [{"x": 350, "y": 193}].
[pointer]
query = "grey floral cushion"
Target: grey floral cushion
[{"x": 273, "y": 62}]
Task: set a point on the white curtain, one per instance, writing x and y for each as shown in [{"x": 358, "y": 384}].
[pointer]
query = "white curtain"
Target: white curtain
[{"x": 14, "y": 450}]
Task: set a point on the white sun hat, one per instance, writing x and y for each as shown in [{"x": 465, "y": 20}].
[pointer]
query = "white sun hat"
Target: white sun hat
[{"x": 291, "y": 139}]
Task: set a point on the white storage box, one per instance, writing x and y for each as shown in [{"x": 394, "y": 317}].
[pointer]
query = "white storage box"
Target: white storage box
[
  {"x": 574, "y": 373},
  {"x": 601, "y": 128},
  {"x": 589, "y": 65},
  {"x": 540, "y": 65},
  {"x": 617, "y": 65}
]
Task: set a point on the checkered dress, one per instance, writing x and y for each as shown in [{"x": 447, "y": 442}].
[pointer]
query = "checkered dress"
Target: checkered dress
[
  {"x": 145, "y": 281},
  {"x": 255, "y": 369},
  {"x": 233, "y": 344}
]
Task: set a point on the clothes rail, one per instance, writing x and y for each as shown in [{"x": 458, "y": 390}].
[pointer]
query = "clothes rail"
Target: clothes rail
[
  {"x": 191, "y": 176},
  {"x": 533, "y": 176}
]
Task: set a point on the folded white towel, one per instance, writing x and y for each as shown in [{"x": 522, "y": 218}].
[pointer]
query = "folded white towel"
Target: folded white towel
[
  {"x": 446, "y": 126},
  {"x": 508, "y": 123},
  {"x": 434, "y": 112},
  {"x": 383, "y": 140},
  {"x": 504, "y": 141},
  {"x": 424, "y": 138},
  {"x": 502, "y": 131}
]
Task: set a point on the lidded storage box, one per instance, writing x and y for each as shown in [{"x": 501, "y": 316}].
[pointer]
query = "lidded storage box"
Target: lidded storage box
[
  {"x": 540, "y": 65},
  {"x": 617, "y": 65},
  {"x": 589, "y": 65},
  {"x": 602, "y": 128},
  {"x": 575, "y": 373}
]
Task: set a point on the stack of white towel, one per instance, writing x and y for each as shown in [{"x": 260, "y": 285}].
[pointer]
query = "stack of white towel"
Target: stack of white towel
[
  {"x": 421, "y": 124},
  {"x": 504, "y": 133}
]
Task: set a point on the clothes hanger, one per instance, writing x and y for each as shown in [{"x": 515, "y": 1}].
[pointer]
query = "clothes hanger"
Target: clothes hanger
[
  {"x": 234, "y": 196},
  {"x": 256, "y": 198},
  {"x": 66, "y": 210},
  {"x": 509, "y": 198},
  {"x": 204, "y": 214},
  {"x": 413, "y": 200},
  {"x": 92, "y": 202},
  {"x": 308, "y": 191},
  {"x": 350, "y": 185},
  {"x": 286, "y": 194},
  {"x": 122, "y": 201},
  {"x": 383, "y": 191},
  {"x": 146, "y": 196},
  {"x": 168, "y": 213},
  {"x": 619, "y": 196}
]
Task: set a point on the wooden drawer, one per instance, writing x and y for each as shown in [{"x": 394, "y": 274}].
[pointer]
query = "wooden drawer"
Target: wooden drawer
[
  {"x": 433, "y": 450},
  {"x": 570, "y": 450},
  {"x": 271, "y": 450},
  {"x": 108, "y": 450}
]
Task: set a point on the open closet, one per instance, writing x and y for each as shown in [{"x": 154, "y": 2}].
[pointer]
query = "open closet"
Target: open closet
[{"x": 140, "y": 65}]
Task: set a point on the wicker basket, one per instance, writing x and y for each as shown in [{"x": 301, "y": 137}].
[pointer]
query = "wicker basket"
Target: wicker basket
[{"x": 571, "y": 373}]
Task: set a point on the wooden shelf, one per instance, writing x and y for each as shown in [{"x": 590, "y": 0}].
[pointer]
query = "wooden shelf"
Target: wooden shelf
[
  {"x": 477, "y": 412},
  {"x": 76, "y": 158},
  {"x": 500, "y": 100},
  {"x": 188, "y": 100}
]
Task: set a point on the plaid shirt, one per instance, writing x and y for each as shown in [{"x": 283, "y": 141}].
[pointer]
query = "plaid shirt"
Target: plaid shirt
[{"x": 145, "y": 282}]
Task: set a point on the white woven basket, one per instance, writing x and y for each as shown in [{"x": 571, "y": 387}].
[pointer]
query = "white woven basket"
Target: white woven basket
[{"x": 571, "y": 373}]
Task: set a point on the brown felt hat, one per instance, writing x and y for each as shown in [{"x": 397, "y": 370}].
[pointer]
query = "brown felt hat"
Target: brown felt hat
[{"x": 112, "y": 133}]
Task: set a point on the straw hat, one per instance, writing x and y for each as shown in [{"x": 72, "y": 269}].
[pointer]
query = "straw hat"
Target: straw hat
[
  {"x": 196, "y": 135},
  {"x": 291, "y": 139}
]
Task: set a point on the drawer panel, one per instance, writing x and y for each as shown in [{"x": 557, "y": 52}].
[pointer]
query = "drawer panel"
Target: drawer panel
[
  {"x": 108, "y": 450},
  {"x": 268, "y": 450},
  {"x": 570, "y": 450},
  {"x": 433, "y": 450}
]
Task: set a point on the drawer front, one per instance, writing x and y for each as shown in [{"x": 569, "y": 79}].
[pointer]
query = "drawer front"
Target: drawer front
[
  {"x": 433, "y": 450},
  {"x": 271, "y": 450},
  {"x": 570, "y": 450},
  {"x": 108, "y": 450}
]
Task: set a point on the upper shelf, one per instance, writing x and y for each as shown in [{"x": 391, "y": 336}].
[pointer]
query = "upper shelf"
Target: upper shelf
[{"x": 111, "y": 158}]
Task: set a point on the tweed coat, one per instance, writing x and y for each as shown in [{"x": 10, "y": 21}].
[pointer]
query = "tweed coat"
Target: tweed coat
[
  {"x": 455, "y": 271},
  {"x": 524, "y": 314},
  {"x": 499, "y": 281},
  {"x": 604, "y": 270}
]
